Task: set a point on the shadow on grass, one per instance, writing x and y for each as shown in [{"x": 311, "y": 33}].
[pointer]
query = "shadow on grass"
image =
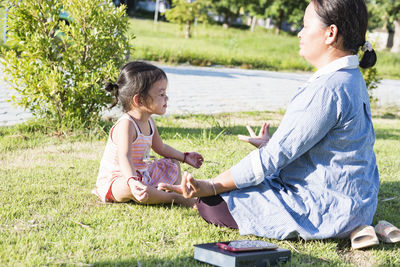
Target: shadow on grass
[
  {"x": 234, "y": 74},
  {"x": 296, "y": 260},
  {"x": 387, "y": 134},
  {"x": 388, "y": 203},
  {"x": 210, "y": 132}
]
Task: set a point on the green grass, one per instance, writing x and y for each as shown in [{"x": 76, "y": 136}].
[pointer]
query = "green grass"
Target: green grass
[
  {"x": 214, "y": 45},
  {"x": 388, "y": 64},
  {"x": 49, "y": 217}
]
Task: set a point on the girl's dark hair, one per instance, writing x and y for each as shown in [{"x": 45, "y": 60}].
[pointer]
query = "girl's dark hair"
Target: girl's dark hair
[
  {"x": 135, "y": 78},
  {"x": 351, "y": 19}
]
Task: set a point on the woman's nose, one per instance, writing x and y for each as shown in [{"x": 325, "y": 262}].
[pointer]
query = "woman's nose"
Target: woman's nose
[{"x": 299, "y": 34}]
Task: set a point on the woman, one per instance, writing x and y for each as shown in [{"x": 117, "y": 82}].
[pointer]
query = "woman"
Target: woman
[{"x": 317, "y": 176}]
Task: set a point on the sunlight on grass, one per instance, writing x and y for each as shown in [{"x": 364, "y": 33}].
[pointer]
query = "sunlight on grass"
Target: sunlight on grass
[
  {"x": 211, "y": 44},
  {"x": 49, "y": 216},
  {"x": 214, "y": 45}
]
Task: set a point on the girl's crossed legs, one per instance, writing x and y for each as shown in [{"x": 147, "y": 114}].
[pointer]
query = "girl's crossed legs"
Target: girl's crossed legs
[{"x": 125, "y": 189}]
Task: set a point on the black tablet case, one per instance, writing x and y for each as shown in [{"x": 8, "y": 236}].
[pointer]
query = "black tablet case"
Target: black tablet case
[{"x": 211, "y": 254}]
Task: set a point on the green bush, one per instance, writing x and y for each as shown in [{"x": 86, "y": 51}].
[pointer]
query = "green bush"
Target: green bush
[
  {"x": 372, "y": 80},
  {"x": 59, "y": 66}
]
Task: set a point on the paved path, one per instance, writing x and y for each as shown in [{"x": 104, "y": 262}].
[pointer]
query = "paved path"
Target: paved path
[{"x": 213, "y": 90}]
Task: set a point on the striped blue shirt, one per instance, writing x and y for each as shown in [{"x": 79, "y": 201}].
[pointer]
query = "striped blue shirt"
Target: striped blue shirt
[{"x": 317, "y": 177}]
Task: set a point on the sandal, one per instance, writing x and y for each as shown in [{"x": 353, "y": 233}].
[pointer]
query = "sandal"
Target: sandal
[
  {"x": 363, "y": 236},
  {"x": 387, "y": 232}
]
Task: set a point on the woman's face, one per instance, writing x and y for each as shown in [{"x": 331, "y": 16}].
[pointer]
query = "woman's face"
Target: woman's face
[{"x": 312, "y": 37}]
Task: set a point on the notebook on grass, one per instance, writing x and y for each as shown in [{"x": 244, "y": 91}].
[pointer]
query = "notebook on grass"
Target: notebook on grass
[{"x": 219, "y": 256}]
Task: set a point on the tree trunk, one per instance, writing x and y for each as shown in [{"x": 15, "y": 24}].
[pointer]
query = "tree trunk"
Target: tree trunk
[
  {"x": 396, "y": 37},
  {"x": 187, "y": 30},
  {"x": 225, "y": 24},
  {"x": 253, "y": 23},
  {"x": 279, "y": 21},
  {"x": 156, "y": 11}
]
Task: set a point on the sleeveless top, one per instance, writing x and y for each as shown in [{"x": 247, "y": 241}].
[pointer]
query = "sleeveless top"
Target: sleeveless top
[{"x": 163, "y": 170}]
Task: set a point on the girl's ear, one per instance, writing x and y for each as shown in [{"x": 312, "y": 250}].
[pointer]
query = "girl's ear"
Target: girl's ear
[
  {"x": 331, "y": 34},
  {"x": 137, "y": 100}
]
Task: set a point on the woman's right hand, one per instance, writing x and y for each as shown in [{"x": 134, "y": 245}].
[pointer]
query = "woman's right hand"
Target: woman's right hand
[
  {"x": 189, "y": 187},
  {"x": 258, "y": 141}
]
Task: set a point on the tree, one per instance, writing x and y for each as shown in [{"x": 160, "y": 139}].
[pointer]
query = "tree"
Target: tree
[
  {"x": 228, "y": 9},
  {"x": 256, "y": 9},
  {"x": 185, "y": 12},
  {"x": 59, "y": 67},
  {"x": 286, "y": 10},
  {"x": 386, "y": 14}
]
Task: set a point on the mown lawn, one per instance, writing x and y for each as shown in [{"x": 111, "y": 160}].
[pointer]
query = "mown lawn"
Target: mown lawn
[
  {"x": 214, "y": 45},
  {"x": 49, "y": 217}
]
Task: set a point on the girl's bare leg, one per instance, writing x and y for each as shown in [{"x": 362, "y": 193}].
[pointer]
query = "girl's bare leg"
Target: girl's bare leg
[{"x": 123, "y": 193}]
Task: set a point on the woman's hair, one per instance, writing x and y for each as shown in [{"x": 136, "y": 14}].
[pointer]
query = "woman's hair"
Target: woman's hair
[
  {"x": 351, "y": 19},
  {"x": 136, "y": 78}
]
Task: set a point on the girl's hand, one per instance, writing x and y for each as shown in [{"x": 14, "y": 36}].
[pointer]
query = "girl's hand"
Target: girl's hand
[
  {"x": 139, "y": 190},
  {"x": 194, "y": 159},
  {"x": 189, "y": 187},
  {"x": 258, "y": 141}
]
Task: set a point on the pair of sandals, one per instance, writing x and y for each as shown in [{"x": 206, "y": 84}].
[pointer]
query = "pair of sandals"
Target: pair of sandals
[{"x": 366, "y": 236}]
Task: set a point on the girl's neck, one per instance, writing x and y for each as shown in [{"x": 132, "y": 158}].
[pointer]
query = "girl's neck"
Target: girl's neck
[{"x": 139, "y": 115}]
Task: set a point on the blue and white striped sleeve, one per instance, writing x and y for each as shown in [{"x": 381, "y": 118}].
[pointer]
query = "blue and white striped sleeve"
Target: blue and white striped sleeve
[{"x": 309, "y": 117}]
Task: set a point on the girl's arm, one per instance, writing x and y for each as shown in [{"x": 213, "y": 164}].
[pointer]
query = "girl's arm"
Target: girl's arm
[
  {"x": 123, "y": 136},
  {"x": 163, "y": 149},
  {"x": 192, "y": 158}
]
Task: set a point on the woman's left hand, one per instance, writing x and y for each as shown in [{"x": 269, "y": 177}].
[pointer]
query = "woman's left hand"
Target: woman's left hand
[
  {"x": 194, "y": 159},
  {"x": 189, "y": 187}
]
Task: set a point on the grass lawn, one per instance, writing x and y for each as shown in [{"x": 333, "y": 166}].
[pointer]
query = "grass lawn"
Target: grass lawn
[
  {"x": 214, "y": 45},
  {"x": 49, "y": 217}
]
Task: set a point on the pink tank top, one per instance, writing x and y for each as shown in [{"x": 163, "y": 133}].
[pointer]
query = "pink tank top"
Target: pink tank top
[{"x": 109, "y": 165}]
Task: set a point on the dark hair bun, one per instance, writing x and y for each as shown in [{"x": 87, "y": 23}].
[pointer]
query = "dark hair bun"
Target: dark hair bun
[
  {"x": 368, "y": 60},
  {"x": 111, "y": 87}
]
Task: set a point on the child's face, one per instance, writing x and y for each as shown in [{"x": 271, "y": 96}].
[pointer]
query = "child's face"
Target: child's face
[{"x": 157, "y": 98}]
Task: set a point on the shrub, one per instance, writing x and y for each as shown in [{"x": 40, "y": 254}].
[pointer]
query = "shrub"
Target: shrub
[
  {"x": 372, "y": 80},
  {"x": 59, "y": 66}
]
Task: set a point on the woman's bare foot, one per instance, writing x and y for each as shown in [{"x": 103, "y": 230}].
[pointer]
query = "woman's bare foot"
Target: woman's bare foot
[{"x": 188, "y": 202}]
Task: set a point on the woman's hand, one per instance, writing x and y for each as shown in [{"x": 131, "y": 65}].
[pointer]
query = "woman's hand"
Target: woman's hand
[
  {"x": 193, "y": 159},
  {"x": 258, "y": 141},
  {"x": 189, "y": 187}
]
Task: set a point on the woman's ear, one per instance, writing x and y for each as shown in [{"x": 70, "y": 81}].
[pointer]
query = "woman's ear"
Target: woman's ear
[
  {"x": 137, "y": 101},
  {"x": 331, "y": 34}
]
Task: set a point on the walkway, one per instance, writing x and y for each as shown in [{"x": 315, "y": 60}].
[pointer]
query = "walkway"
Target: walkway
[{"x": 213, "y": 90}]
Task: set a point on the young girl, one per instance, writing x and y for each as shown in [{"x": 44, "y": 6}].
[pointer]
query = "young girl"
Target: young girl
[{"x": 125, "y": 171}]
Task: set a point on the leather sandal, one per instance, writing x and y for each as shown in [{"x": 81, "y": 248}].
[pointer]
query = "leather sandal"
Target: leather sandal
[
  {"x": 363, "y": 236},
  {"x": 387, "y": 232}
]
